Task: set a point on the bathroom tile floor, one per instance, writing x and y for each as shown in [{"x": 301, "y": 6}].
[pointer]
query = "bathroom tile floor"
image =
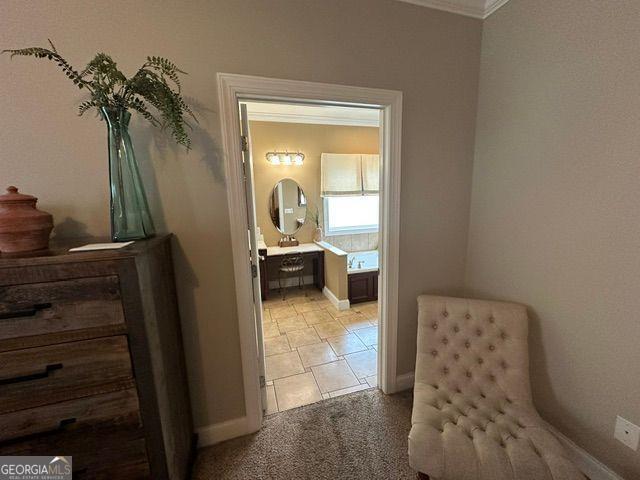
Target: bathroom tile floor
[{"x": 314, "y": 352}]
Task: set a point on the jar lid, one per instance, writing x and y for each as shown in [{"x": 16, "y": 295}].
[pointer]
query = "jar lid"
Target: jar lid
[{"x": 12, "y": 196}]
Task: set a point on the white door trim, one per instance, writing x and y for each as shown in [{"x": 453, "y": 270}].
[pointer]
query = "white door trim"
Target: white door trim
[{"x": 231, "y": 88}]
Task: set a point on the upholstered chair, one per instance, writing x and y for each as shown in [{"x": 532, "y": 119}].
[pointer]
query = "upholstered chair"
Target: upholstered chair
[{"x": 473, "y": 416}]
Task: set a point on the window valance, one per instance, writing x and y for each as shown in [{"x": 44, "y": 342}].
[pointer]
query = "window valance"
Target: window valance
[{"x": 345, "y": 174}]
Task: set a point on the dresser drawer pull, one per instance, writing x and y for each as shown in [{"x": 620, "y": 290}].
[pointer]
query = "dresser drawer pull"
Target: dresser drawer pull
[
  {"x": 27, "y": 312},
  {"x": 33, "y": 376},
  {"x": 62, "y": 424}
]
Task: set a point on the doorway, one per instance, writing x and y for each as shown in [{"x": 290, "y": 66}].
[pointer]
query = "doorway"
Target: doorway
[
  {"x": 314, "y": 180},
  {"x": 235, "y": 90}
]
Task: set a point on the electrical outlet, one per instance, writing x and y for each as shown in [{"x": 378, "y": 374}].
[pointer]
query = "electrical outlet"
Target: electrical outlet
[{"x": 627, "y": 433}]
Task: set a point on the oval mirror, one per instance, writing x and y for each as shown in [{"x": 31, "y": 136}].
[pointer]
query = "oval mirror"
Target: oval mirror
[{"x": 288, "y": 206}]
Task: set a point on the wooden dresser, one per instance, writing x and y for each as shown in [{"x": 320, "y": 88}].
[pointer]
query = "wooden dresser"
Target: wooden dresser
[{"x": 92, "y": 363}]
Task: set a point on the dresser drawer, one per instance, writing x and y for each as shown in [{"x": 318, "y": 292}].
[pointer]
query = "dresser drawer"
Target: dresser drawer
[
  {"x": 109, "y": 412},
  {"x": 114, "y": 461},
  {"x": 103, "y": 433},
  {"x": 30, "y": 312},
  {"x": 44, "y": 375}
]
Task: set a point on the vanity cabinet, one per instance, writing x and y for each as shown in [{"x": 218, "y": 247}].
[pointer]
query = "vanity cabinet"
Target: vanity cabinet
[
  {"x": 92, "y": 363},
  {"x": 271, "y": 257},
  {"x": 363, "y": 287}
]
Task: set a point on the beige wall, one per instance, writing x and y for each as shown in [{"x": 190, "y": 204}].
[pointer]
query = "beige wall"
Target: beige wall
[
  {"x": 555, "y": 220},
  {"x": 431, "y": 56},
  {"x": 312, "y": 140},
  {"x": 335, "y": 274}
]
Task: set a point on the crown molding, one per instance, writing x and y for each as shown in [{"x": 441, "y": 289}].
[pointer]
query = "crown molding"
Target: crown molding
[
  {"x": 319, "y": 115},
  {"x": 470, "y": 8},
  {"x": 492, "y": 6},
  {"x": 311, "y": 119}
]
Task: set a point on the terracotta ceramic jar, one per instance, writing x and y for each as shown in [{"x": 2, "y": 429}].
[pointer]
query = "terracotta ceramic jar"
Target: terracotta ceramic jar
[{"x": 23, "y": 228}]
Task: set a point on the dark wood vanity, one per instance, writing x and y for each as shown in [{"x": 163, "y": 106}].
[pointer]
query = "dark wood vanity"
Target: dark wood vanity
[
  {"x": 269, "y": 265},
  {"x": 363, "y": 287}
]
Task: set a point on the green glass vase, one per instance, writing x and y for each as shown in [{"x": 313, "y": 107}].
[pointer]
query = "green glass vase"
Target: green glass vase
[{"x": 130, "y": 216}]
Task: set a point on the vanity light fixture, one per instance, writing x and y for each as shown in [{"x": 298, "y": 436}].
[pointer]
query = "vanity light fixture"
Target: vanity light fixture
[{"x": 285, "y": 158}]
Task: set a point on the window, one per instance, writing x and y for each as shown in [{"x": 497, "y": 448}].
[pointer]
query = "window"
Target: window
[{"x": 351, "y": 214}]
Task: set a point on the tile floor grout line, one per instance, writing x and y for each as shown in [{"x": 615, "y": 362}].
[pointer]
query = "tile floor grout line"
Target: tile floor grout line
[{"x": 331, "y": 318}]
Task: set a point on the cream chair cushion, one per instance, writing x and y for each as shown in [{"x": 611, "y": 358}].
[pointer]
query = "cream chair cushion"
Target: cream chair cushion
[{"x": 473, "y": 416}]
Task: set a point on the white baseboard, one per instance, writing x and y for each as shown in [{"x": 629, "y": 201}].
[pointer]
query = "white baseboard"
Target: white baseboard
[
  {"x": 219, "y": 432},
  {"x": 339, "y": 304},
  {"x": 404, "y": 381},
  {"x": 587, "y": 463}
]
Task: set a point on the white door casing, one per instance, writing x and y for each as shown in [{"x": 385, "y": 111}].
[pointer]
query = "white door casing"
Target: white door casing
[
  {"x": 231, "y": 89},
  {"x": 247, "y": 163}
]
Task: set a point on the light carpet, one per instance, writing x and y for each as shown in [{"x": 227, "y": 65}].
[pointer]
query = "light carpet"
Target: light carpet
[{"x": 358, "y": 436}]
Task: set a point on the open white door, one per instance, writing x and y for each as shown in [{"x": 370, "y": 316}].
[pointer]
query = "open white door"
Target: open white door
[{"x": 247, "y": 164}]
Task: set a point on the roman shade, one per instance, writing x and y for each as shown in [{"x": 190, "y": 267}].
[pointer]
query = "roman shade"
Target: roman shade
[
  {"x": 349, "y": 174},
  {"x": 370, "y": 174}
]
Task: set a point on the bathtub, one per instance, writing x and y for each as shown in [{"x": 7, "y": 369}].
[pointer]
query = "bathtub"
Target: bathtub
[{"x": 361, "y": 262}]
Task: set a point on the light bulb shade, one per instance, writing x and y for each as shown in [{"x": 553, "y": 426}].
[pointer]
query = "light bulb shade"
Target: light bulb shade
[
  {"x": 273, "y": 158},
  {"x": 285, "y": 158}
]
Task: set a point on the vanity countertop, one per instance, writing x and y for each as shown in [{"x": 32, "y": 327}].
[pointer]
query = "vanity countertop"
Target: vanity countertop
[{"x": 302, "y": 248}]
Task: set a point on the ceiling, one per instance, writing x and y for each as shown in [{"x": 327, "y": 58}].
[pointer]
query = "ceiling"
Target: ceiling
[
  {"x": 317, "y": 114},
  {"x": 470, "y": 8}
]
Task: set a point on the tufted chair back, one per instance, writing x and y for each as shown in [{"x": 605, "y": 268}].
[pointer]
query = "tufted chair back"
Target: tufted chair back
[{"x": 474, "y": 347}]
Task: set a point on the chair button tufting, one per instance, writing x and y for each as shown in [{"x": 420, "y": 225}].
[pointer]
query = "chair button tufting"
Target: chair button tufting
[
  {"x": 445, "y": 340},
  {"x": 445, "y": 314},
  {"x": 456, "y": 329},
  {"x": 467, "y": 316},
  {"x": 456, "y": 356},
  {"x": 503, "y": 335},
  {"x": 478, "y": 332},
  {"x": 480, "y": 361},
  {"x": 491, "y": 319},
  {"x": 492, "y": 348},
  {"x": 467, "y": 344},
  {"x": 434, "y": 353},
  {"x": 468, "y": 374},
  {"x": 434, "y": 326},
  {"x": 445, "y": 370}
]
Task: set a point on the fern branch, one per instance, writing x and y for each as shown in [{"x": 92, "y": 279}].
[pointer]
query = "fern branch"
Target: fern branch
[{"x": 152, "y": 85}]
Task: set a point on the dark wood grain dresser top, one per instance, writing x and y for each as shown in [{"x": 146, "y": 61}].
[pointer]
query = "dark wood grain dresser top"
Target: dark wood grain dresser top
[{"x": 92, "y": 362}]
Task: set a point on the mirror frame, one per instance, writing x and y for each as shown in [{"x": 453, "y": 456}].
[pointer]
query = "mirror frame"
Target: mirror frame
[{"x": 306, "y": 205}]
